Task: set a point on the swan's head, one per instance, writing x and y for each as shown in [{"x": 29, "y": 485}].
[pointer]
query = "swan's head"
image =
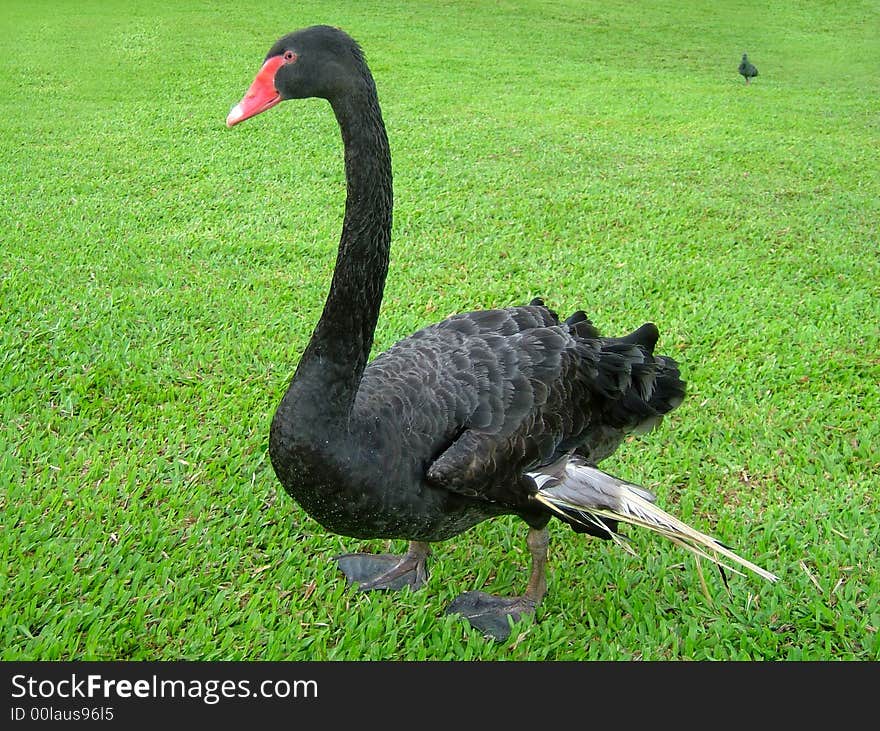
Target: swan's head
[{"x": 314, "y": 62}]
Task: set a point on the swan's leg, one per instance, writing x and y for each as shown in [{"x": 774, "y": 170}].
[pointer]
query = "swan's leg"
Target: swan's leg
[
  {"x": 385, "y": 571},
  {"x": 489, "y": 613}
]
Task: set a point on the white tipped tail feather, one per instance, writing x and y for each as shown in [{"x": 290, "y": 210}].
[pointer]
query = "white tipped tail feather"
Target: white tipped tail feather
[{"x": 578, "y": 491}]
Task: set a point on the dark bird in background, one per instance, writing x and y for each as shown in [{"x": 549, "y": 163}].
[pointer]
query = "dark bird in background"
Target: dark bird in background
[
  {"x": 746, "y": 69},
  {"x": 487, "y": 413}
]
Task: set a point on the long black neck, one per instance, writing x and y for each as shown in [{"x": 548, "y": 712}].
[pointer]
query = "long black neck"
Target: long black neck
[{"x": 331, "y": 367}]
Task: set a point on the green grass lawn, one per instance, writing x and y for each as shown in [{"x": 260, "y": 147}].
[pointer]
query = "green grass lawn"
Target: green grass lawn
[{"x": 161, "y": 275}]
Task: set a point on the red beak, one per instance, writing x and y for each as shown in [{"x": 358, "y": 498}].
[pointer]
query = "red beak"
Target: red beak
[{"x": 261, "y": 96}]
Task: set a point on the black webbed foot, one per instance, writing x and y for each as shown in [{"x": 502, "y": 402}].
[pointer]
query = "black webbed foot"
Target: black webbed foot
[
  {"x": 375, "y": 572},
  {"x": 489, "y": 613}
]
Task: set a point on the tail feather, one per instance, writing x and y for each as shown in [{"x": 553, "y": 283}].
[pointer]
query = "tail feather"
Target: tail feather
[{"x": 579, "y": 492}]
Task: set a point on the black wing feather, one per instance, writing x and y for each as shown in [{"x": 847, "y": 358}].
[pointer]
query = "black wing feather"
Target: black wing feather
[{"x": 511, "y": 390}]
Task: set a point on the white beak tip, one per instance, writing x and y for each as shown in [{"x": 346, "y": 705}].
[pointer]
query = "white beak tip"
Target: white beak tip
[{"x": 235, "y": 115}]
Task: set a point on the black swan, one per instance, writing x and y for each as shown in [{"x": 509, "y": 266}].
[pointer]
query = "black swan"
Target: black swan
[
  {"x": 746, "y": 69},
  {"x": 487, "y": 413}
]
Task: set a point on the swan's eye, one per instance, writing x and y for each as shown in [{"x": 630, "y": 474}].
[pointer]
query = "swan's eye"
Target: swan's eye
[{"x": 289, "y": 57}]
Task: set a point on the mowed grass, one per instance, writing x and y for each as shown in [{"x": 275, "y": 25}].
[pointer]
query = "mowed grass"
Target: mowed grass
[{"x": 161, "y": 276}]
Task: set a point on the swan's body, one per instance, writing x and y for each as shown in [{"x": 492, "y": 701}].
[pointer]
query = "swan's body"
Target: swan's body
[
  {"x": 448, "y": 420},
  {"x": 483, "y": 414}
]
